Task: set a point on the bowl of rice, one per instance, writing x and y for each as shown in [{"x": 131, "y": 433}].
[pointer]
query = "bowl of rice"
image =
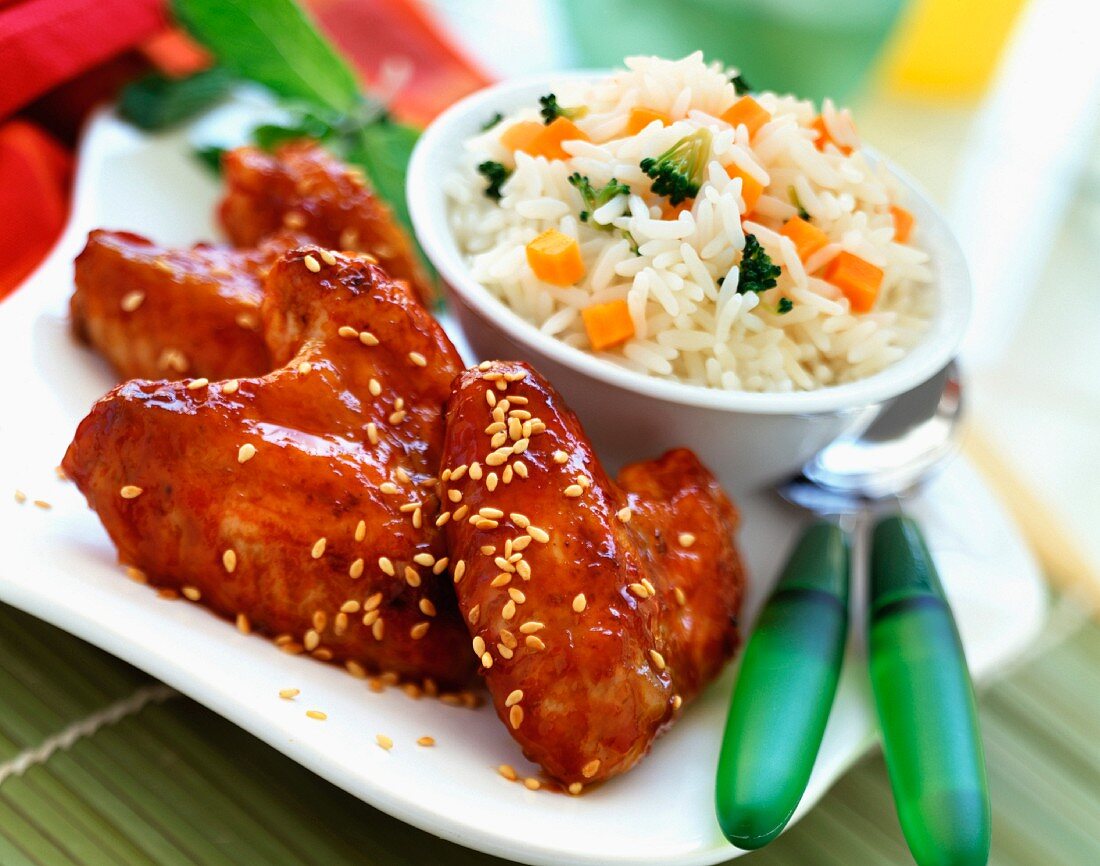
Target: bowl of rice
[{"x": 690, "y": 262}]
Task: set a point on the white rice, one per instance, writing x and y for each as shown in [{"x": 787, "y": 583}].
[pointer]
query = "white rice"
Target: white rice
[{"x": 687, "y": 326}]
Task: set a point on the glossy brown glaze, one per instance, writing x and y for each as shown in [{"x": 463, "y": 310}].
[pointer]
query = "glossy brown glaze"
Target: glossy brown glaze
[
  {"x": 155, "y": 313},
  {"x": 585, "y": 664},
  {"x": 303, "y": 188},
  {"x": 334, "y": 490}
]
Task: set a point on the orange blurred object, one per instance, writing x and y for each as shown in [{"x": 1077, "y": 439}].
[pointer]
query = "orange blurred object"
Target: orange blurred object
[
  {"x": 522, "y": 136},
  {"x": 903, "y": 223},
  {"x": 824, "y": 138},
  {"x": 34, "y": 183},
  {"x": 749, "y": 112},
  {"x": 549, "y": 142},
  {"x": 807, "y": 238},
  {"x": 858, "y": 279},
  {"x": 608, "y": 324},
  {"x": 751, "y": 188},
  {"x": 640, "y": 118}
]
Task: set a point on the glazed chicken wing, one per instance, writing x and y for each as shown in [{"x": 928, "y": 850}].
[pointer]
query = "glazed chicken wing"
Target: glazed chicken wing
[
  {"x": 164, "y": 313},
  {"x": 596, "y": 608},
  {"x": 302, "y": 502},
  {"x": 302, "y": 188}
]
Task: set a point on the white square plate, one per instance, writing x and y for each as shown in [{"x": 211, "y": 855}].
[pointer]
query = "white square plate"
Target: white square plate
[{"x": 59, "y": 565}]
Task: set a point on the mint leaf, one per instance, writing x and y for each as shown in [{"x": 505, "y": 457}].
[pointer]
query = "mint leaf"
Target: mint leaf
[
  {"x": 157, "y": 101},
  {"x": 272, "y": 42}
]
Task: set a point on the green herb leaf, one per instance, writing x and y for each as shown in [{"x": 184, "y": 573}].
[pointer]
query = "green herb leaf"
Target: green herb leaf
[
  {"x": 273, "y": 43},
  {"x": 492, "y": 121},
  {"x": 382, "y": 150},
  {"x": 551, "y": 111},
  {"x": 785, "y": 306},
  {"x": 496, "y": 173},
  {"x": 740, "y": 85},
  {"x": 157, "y": 101},
  {"x": 756, "y": 273},
  {"x": 210, "y": 155}
]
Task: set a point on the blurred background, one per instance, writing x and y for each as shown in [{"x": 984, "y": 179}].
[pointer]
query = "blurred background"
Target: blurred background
[{"x": 993, "y": 105}]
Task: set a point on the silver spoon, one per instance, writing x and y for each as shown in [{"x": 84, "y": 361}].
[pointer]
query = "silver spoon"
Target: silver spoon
[{"x": 921, "y": 684}]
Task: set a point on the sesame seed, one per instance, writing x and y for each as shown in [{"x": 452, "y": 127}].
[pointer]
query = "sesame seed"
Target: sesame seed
[
  {"x": 591, "y": 768},
  {"x": 312, "y": 264},
  {"x": 355, "y": 570},
  {"x": 318, "y": 549},
  {"x": 523, "y": 568},
  {"x": 443, "y": 518},
  {"x": 418, "y": 359},
  {"x": 440, "y": 565},
  {"x": 419, "y": 630},
  {"x": 516, "y": 595},
  {"x": 514, "y": 698},
  {"x": 533, "y": 641},
  {"x": 503, "y": 564},
  {"x": 520, "y": 446},
  {"x": 574, "y": 490},
  {"x": 246, "y": 452},
  {"x": 686, "y": 539},
  {"x": 398, "y": 416},
  {"x": 371, "y": 617},
  {"x": 426, "y": 607},
  {"x": 312, "y": 640},
  {"x": 482, "y": 523},
  {"x": 505, "y": 651},
  {"x": 229, "y": 560},
  {"x": 624, "y": 514},
  {"x": 498, "y": 439},
  {"x": 502, "y": 579},
  {"x": 508, "y": 611},
  {"x": 361, "y": 530},
  {"x": 426, "y": 741},
  {"x": 375, "y": 387},
  {"x": 323, "y": 654},
  {"x": 488, "y": 549},
  {"x": 327, "y": 257},
  {"x": 136, "y": 574},
  {"x": 305, "y": 367},
  {"x": 491, "y": 482},
  {"x": 384, "y": 741},
  {"x": 474, "y": 613},
  {"x": 475, "y": 471},
  {"x": 531, "y": 627},
  {"x": 677, "y": 702},
  {"x": 195, "y": 384},
  {"x": 425, "y": 559},
  {"x": 486, "y": 660},
  {"x": 231, "y": 387},
  {"x": 479, "y": 645},
  {"x": 540, "y": 535},
  {"x": 491, "y": 513},
  {"x": 454, "y": 494},
  {"x": 519, "y": 519},
  {"x": 575, "y": 788},
  {"x": 367, "y": 338},
  {"x": 131, "y": 301},
  {"x": 355, "y": 669},
  {"x": 515, "y": 716},
  {"x": 461, "y": 512},
  {"x": 388, "y": 487},
  {"x": 43, "y": 504},
  {"x": 495, "y": 459},
  {"x": 681, "y": 599},
  {"x": 378, "y": 628},
  {"x": 412, "y": 576},
  {"x": 508, "y": 639},
  {"x": 20, "y": 496},
  {"x": 580, "y": 602},
  {"x": 459, "y": 570},
  {"x": 386, "y": 566},
  {"x": 129, "y": 491},
  {"x": 373, "y": 601},
  {"x": 521, "y": 542},
  {"x": 520, "y": 467},
  {"x": 507, "y": 772},
  {"x": 244, "y": 626},
  {"x": 289, "y": 694},
  {"x": 639, "y": 590},
  {"x": 348, "y": 332},
  {"x": 372, "y": 432},
  {"x": 560, "y": 457},
  {"x": 658, "y": 659},
  {"x": 531, "y": 783},
  {"x": 649, "y": 586},
  {"x": 191, "y": 593}
]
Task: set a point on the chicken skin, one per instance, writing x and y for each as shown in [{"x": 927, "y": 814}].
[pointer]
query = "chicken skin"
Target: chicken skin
[
  {"x": 302, "y": 188},
  {"x": 164, "y": 313},
  {"x": 596, "y": 609},
  {"x": 302, "y": 502}
]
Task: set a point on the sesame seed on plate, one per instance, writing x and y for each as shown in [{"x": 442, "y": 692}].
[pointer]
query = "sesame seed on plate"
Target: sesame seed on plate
[
  {"x": 289, "y": 694},
  {"x": 427, "y": 742},
  {"x": 243, "y": 624},
  {"x": 355, "y": 669},
  {"x": 192, "y": 593},
  {"x": 531, "y": 783},
  {"x": 507, "y": 772},
  {"x": 383, "y": 741},
  {"x": 575, "y": 788}
]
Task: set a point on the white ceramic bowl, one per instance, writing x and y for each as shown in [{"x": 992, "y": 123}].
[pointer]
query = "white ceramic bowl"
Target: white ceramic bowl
[{"x": 748, "y": 439}]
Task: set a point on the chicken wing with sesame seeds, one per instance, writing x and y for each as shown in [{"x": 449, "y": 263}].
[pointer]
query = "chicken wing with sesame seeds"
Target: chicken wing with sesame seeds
[
  {"x": 302, "y": 502},
  {"x": 159, "y": 313},
  {"x": 303, "y": 188},
  {"x": 596, "y": 609}
]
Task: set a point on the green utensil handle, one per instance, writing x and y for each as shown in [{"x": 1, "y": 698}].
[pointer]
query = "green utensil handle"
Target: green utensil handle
[
  {"x": 784, "y": 692},
  {"x": 926, "y": 708}
]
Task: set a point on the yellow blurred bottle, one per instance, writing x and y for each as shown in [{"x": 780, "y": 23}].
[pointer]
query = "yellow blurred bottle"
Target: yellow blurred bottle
[{"x": 949, "y": 48}]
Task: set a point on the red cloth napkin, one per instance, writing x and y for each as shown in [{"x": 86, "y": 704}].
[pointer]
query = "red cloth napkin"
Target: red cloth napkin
[{"x": 44, "y": 43}]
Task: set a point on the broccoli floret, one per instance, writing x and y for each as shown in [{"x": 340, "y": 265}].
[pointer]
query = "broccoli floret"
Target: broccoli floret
[
  {"x": 756, "y": 272},
  {"x": 492, "y": 121},
  {"x": 785, "y": 305},
  {"x": 678, "y": 171},
  {"x": 740, "y": 85},
  {"x": 496, "y": 174},
  {"x": 551, "y": 111},
  {"x": 596, "y": 198}
]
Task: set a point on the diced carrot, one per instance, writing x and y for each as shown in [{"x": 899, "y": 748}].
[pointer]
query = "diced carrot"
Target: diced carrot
[
  {"x": 824, "y": 138},
  {"x": 673, "y": 211},
  {"x": 640, "y": 118},
  {"x": 858, "y": 279},
  {"x": 748, "y": 111},
  {"x": 608, "y": 324},
  {"x": 903, "y": 223},
  {"x": 522, "y": 136},
  {"x": 555, "y": 258},
  {"x": 807, "y": 238},
  {"x": 751, "y": 188},
  {"x": 548, "y": 144}
]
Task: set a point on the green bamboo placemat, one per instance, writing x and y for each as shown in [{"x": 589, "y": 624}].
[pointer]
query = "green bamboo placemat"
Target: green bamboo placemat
[{"x": 114, "y": 768}]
